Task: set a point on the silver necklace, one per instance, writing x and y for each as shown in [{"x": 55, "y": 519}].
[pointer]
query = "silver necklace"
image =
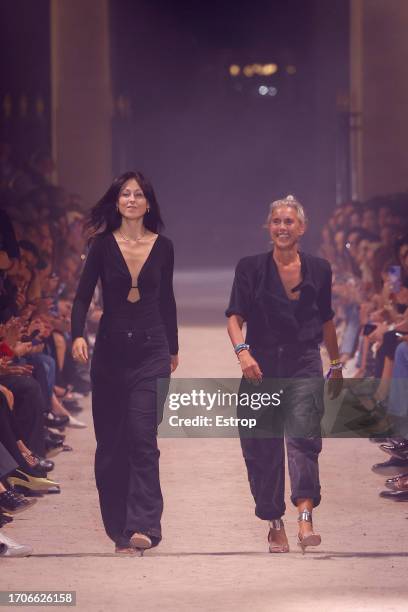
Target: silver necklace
[{"x": 126, "y": 239}]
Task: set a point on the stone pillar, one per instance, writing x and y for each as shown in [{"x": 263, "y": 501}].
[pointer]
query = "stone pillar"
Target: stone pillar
[
  {"x": 81, "y": 96},
  {"x": 356, "y": 99},
  {"x": 382, "y": 93}
]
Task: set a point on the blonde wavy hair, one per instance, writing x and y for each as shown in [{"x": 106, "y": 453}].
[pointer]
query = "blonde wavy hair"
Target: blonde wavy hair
[{"x": 291, "y": 202}]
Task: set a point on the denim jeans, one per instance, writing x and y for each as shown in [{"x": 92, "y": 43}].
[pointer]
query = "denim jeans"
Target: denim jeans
[
  {"x": 352, "y": 328},
  {"x": 398, "y": 397}
]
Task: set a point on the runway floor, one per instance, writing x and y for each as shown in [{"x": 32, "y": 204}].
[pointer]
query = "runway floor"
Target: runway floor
[{"x": 213, "y": 556}]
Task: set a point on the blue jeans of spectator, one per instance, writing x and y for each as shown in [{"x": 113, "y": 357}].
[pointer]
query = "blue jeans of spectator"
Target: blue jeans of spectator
[
  {"x": 44, "y": 373},
  {"x": 398, "y": 398},
  {"x": 352, "y": 328}
]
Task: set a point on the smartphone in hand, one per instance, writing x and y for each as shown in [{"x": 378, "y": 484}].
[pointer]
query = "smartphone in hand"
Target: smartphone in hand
[{"x": 31, "y": 337}]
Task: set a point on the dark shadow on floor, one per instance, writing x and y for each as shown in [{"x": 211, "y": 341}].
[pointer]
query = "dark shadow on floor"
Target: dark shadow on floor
[{"x": 316, "y": 554}]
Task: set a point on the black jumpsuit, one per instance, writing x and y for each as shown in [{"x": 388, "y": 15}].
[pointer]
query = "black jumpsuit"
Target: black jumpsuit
[
  {"x": 284, "y": 337},
  {"x": 132, "y": 351}
]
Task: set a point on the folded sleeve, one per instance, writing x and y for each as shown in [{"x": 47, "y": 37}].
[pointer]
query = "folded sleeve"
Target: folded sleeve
[
  {"x": 240, "y": 298},
  {"x": 167, "y": 300},
  {"x": 324, "y": 299},
  {"x": 86, "y": 288}
]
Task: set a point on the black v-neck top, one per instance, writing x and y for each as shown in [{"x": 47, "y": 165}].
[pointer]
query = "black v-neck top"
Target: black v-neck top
[
  {"x": 156, "y": 306},
  {"x": 259, "y": 297}
]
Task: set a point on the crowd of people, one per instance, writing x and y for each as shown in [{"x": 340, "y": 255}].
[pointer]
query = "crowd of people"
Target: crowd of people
[
  {"x": 367, "y": 245},
  {"x": 41, "y": 246},
  {"x": 41, "y": 254}
]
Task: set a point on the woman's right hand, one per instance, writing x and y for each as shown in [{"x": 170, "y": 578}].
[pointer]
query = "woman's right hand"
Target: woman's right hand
[
  {"x": 80, "y": 350},
  {"x": 250, "y": 368}
]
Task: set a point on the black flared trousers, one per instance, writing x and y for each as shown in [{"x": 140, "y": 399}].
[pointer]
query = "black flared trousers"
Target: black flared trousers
[
  {"x": 27, "y": 417},
  {"x": 127, "y": 405},
  {"x": 296, "y": 371}
]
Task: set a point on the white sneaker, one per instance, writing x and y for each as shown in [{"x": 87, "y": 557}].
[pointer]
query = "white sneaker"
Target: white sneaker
[
  {"x": 73, "y": 422},
  {"x": 10, "y": 548}
]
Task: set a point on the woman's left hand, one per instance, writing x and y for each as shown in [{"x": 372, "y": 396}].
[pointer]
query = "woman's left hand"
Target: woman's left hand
[{"x": 174, "y": 361}]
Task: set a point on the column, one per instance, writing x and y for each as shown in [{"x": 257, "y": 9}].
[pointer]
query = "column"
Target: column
[{"x": 81, "y": 96}]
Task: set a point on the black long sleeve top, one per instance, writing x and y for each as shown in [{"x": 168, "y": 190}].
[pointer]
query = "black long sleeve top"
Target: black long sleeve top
[
  {"x": 259, "y": 297},
  {"x": 155, "y": 282}
]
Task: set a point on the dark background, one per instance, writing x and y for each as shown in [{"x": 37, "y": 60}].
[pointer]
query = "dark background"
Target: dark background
[
  {"x": 25, "y": 86},
  {"x": 216, "y": 151}
]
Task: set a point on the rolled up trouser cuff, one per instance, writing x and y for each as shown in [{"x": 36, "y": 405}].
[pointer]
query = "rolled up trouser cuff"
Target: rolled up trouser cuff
[
  {"x": 313, "y": 495},
  {"x": 270, "y": 514}
]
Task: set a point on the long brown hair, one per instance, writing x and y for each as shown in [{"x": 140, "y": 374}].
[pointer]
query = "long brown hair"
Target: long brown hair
[{"x": 104, "y": 216}]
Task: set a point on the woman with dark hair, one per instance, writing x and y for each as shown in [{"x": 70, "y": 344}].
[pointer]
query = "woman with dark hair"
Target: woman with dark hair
[{"x": 135, "y": 346}]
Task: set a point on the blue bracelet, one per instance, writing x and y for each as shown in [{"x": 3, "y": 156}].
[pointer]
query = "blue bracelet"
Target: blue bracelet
[{"x": 241, "y": 347}]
